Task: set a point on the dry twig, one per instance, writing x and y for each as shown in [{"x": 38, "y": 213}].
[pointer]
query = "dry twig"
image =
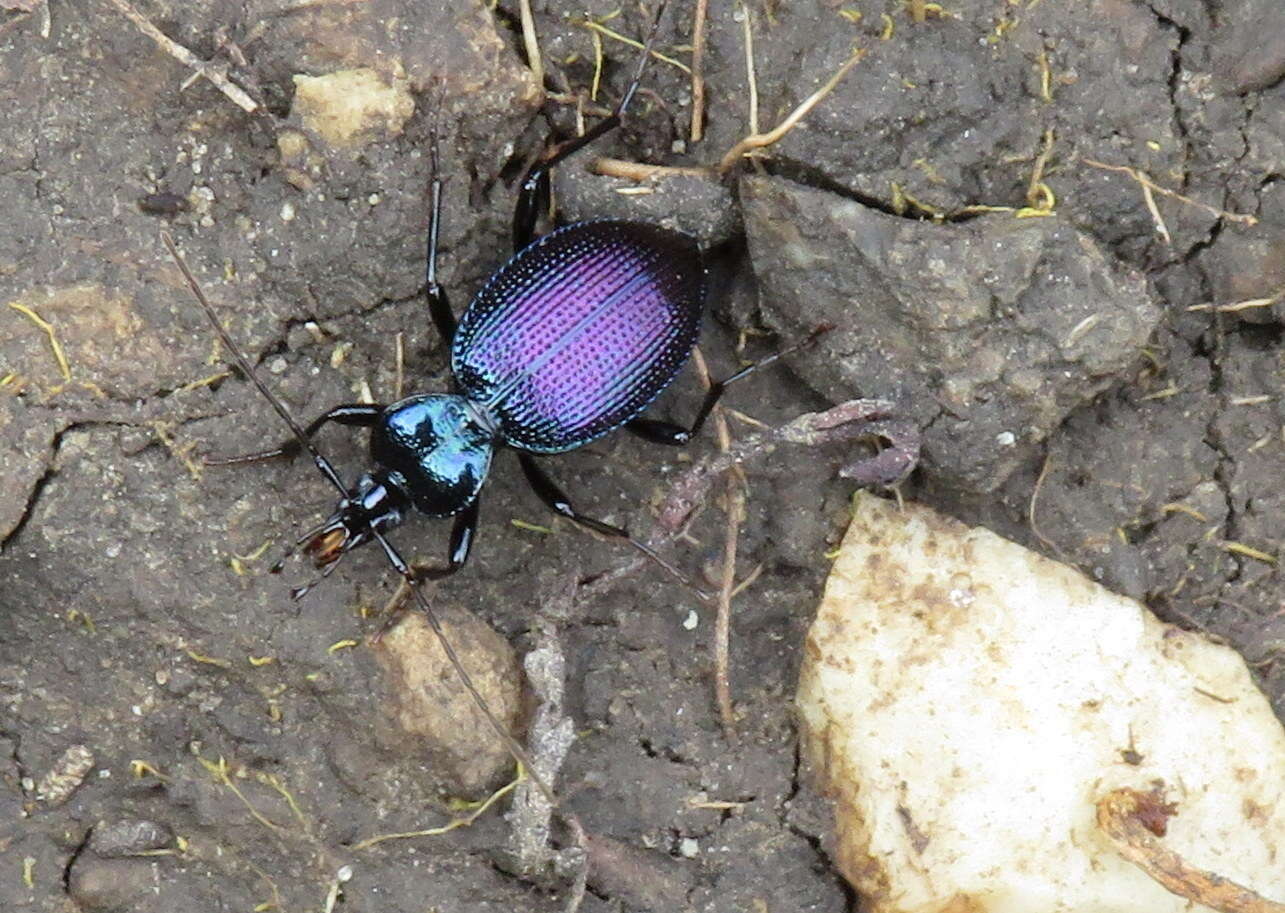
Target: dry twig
[
  {"x": 1030, "y": 510},
  {"x": 531, "y": 42},
  {"x": 747, "y": 27},
  {"x": 599, "y": 28},
  {"x": 214, "y": 73},
  {"x": 637, "y": 171},
  {"x": 735, "y": 511},
  {"x": 847, "y": 421},
  {"x": 760, "y": 140},
  {"x": 47, "y": 328},
  {"x": 1132, "y": 820},
  {"x": 1149, "y": 186},
  {"x": 399, "y": 351},
  {"x": 755, "y": 140},
  {"x": 1238, "y": 306},
  {"x": 698, "y": 72}
]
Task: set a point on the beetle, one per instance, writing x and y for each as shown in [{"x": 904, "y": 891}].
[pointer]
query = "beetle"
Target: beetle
[{"x": 572, "y": 338}]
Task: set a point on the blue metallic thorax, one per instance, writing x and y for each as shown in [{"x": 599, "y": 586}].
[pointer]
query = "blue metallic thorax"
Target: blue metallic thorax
[
  {"x": 440, "y": 446},
  {"x": 580, "y": 331}
]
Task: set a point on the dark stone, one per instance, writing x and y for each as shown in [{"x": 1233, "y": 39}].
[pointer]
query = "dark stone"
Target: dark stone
[{"x": 988, "y": 332}]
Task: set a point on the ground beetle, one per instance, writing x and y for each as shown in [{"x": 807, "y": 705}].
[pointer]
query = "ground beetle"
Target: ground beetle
[{"x": 572, "y": 338}]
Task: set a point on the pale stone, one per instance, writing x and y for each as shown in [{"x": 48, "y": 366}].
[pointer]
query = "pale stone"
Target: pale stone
[
  {"x": 965, "y": 702},
  {"x": 350, "y": 108}
]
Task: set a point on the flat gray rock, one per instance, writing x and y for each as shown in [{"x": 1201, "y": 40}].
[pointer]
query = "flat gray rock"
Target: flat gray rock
[{"x": 988, "y": 332}]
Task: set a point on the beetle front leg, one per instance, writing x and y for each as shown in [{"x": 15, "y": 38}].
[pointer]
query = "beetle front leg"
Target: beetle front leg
[
  {"x": 463, "y": 532},
  {"x": 359, "y": 415}
]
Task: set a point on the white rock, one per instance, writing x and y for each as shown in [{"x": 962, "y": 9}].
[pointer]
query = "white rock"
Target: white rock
[{"x": 966, "y": 702}]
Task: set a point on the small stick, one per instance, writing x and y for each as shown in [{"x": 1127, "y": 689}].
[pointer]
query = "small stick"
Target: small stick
[
  {"x": 211, "y": 72},
  {"x": 750, "y": 75},
  {"x": 846, "y": 421},
  {"x": 723, "y": 618},
  {"x": 1034, "y": 194},
  {"x": 637, "y": 171},
  {"x": 577, "y": 894},
  {"x": 756, "y": 140},
  {"x": 1237, "y": 306},
  {"x": 599, "y": 28},
  {"x": 759, "y": 140},
  {"x": 698, "y": 72},
  {"x": 1148, "y": 184},
  {"x": 531, "y": 42},
  {"x": 735, "y": 510},
  {"x": 1030, "y": 509},
  {"x": 59, "y": 355},
  {"x": 1132, "y": 821},
  {"x": 400, "y": 350}
]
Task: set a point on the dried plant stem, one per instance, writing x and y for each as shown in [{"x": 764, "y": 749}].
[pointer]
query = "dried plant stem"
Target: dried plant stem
[
  {"x": 1149, "y": 186},
  {"x": 399, "y": 380},
  {"x": 735, "y": 508},
  {"x": 698, "y": 72},
  {"x": 844, "y": 422},
  {"x": 577, "y": 894},
  {"x": 756, "y": 140},
  {"x": 1030, "y": 510},
  {"x": 759, "y": 140},
  {"x": 735, "y": 512},
  {"x": 530, "y": 42},
  {"x": 213, "y": 73},
  {"x": 636, "y": 171},
  {"x": 1128, "y": 818},
  {"x": 599, "y": 28},
  {"x": 747, "y": 26}
]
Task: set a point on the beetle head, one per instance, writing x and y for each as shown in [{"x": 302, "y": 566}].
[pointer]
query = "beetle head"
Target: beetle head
[{"x": 377, "y": 503}]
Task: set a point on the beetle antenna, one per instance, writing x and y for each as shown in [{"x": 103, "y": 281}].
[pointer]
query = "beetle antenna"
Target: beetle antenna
[
  {"x": 394, "y": 558},
  {"x": 515, "y": 747},
  {"x": 642, "y": 58},
  {"x": 298, "y": 592},
  {"x": 322, "y": 464}
]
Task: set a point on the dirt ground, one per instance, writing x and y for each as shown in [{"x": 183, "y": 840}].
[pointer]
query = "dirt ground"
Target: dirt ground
[{"x": 1093, "y": 355}]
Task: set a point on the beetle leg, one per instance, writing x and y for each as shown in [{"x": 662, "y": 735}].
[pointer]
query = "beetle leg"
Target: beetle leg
[
  {"x": 438, "y": 306},
  {"x": 462, "y": 535},
  {"x": 533, "y": 194},
  {"x": 659, "y": 432},
  {"x": 556, "y": 500},
  {"x": 361, "y": 415}
]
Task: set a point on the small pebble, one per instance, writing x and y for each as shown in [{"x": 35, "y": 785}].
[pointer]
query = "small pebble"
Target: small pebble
[
  {"x": 128, "y": 837},
  {"x": 67, "y": 773}
]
